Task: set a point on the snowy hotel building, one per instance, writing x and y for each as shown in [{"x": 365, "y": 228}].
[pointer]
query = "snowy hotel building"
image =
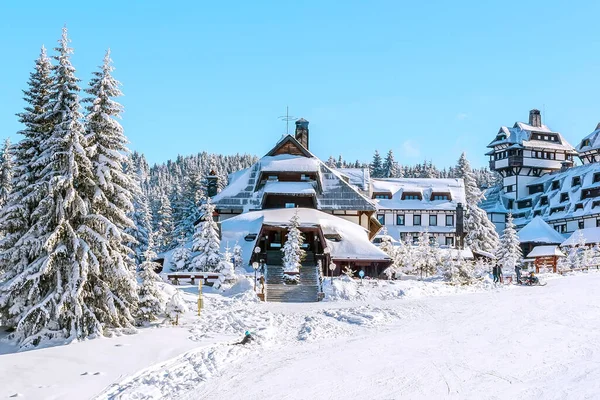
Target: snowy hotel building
[
  {"x": 536, "y": 165},
  {"x": 337, "y": 220},
  {"x": 408, "y": 206}
]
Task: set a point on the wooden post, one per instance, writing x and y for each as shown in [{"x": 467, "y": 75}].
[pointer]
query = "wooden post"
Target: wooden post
[{"x": 200, "y": 296}]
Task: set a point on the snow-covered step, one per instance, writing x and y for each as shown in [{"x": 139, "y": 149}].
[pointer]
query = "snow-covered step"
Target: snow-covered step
[{"x": 292, "y": 293}]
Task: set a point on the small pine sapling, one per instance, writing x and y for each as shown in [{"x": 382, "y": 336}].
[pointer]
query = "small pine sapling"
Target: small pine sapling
[{"x": 175, "y": 307}]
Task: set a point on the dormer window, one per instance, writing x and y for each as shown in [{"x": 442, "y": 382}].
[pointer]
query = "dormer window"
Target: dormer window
[
  {"x": 440, "y": 196},
  {"x": 411, "y": 196},
  {"x": 304, "y": 177},
  {"x": 576, "y": 181},
  {"x": 555, "y": 185},
  {"x": 564, "y": 197},
  {"x": 272, "y": 178},
  {"x": 578, "y": 206},
  {"x": 597, "y": 177},
  {"x": 556, "y": 209},
  {"x": 382, "y": 196},
  {"x": 585, "y": 142},
  {"x": 544, "y": 200}
]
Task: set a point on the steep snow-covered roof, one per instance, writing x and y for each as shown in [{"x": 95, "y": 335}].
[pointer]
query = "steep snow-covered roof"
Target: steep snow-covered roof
[
  {"x": 590, "y": 142},
  {"x": 289, "y": 163},
  {"x": 590, "y": 236},
  {"x": 426, "y": 187},
  {"x": 297, "y": 188},
  {"x": 523, "y": 134},
  {"x": 354, "y": 243},
  {"x": 545, "y": 251},
  {"x": 538, "y": 231},
  {"x": 359, "y": 177},
  {"x": 332, "y": 192}
]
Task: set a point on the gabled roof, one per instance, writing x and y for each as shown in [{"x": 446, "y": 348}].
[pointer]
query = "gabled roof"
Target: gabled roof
[
  {"x": 291, "y": 142},
  {"x": 590, "y": 236},
  {"x": 538, "y": 231},
  {"x": 522, "y": 134},
  {"x": 590, "y": 142},
  {"x": 332, "y": 192},
  {"x": 425, "y": 187},
  {"x": 545, "y": 251}
]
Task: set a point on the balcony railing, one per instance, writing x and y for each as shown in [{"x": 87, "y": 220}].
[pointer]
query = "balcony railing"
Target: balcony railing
[{"x": 513, "y": 161}]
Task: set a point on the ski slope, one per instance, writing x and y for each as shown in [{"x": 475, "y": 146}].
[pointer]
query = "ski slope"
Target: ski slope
[{"x": 405, "y": 339}]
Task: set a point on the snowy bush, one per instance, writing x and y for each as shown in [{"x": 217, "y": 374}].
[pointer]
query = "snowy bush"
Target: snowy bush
[
  {"x": 348, "y": 271},
  {"x": 180, "y": 261},
  {"x": 175, "y": 307},
  {"x": 150, "y": 298}
]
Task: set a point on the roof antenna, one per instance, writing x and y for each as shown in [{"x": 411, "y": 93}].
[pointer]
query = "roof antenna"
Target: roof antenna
[{"x": 287, "y": 118}]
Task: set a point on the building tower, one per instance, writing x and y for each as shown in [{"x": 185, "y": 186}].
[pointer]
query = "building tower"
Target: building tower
[
  {"x": 302, "y": 132},
  {"x": 525, "y": 152},
  {"x": 589, "y": 147}
]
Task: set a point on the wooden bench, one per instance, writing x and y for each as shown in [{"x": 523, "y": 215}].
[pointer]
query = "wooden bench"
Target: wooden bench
[{"x": 208, "y": 278}]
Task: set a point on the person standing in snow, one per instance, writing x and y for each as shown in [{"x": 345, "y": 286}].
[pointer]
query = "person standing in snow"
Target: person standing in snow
[
  {"x": 495, "y": 273},
  {"x": 500, "y": 274},
  {"x": 518, "y": 272}
]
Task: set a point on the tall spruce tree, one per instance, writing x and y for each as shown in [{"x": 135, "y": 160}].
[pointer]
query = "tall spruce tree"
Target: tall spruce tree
[
  {"x": 509, "y": 252},
  {"x": 376, "y": 166},
  {"x": 15, "y": 217},
  {"x": 141, "y": 216},
  {"x": 207, "y": 241},
  {"x": 55, "y": 296},
  {"x": 481, "y": 233},
  {"x": 111, "y": 196},
  {"x": 163, "y": 230},
  {"x": 6, "y": 171},
  {"x": 390, "y": 167}
]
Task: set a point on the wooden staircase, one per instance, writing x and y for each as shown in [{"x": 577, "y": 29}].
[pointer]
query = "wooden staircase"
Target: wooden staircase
[{"x": 307, "y": 291}]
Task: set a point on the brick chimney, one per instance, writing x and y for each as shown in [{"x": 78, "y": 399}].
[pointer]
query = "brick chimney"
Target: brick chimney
[
  {"x": 535, "y": 118},
  {"x": 212, "y": 183},
  {"x": 302, "y": 132}
]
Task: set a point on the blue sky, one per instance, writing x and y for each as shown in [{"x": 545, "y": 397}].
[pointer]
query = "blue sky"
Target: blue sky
[{"x": 426, "y": 79}]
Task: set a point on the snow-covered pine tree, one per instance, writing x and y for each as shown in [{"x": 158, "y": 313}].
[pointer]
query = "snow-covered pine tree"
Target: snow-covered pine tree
[
  {"x": 390, "y": 167},
  {"x": 428, "y": 254},
  {"x": 481, "y": 233},
  {"x": 388, "y": 248},
  {"x": 111, "y": 196},
  {"x": 16, "y": 254},
  {"x": 140, "y": 215},
  {"x": 331, "y": 162},
  {"x": 163, "y": 230},
  {"x": 61, "y": 292},
  {"x": 150, "y": 303},
  {"x": 293, "y": 253},
  {"x": 207, "y": 241},
  {"x": 509, "y": 252},
  {"x": 6, "y": 172},
  {"x": 238, "y": 259},
  {"x": 180, "y": 261},
  {"x": 376, "y": 166},
  {"x": 175, "y": 307}
]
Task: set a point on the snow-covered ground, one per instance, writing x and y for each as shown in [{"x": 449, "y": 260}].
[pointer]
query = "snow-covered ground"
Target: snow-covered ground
[{"x": 405, "y": 339}]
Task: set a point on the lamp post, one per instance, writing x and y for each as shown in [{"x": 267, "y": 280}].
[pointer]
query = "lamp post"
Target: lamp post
[
  {"x": 255, "y": 266},
  {"x": 332, "y": 268},
  {"x": 326, "y": 251}
]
